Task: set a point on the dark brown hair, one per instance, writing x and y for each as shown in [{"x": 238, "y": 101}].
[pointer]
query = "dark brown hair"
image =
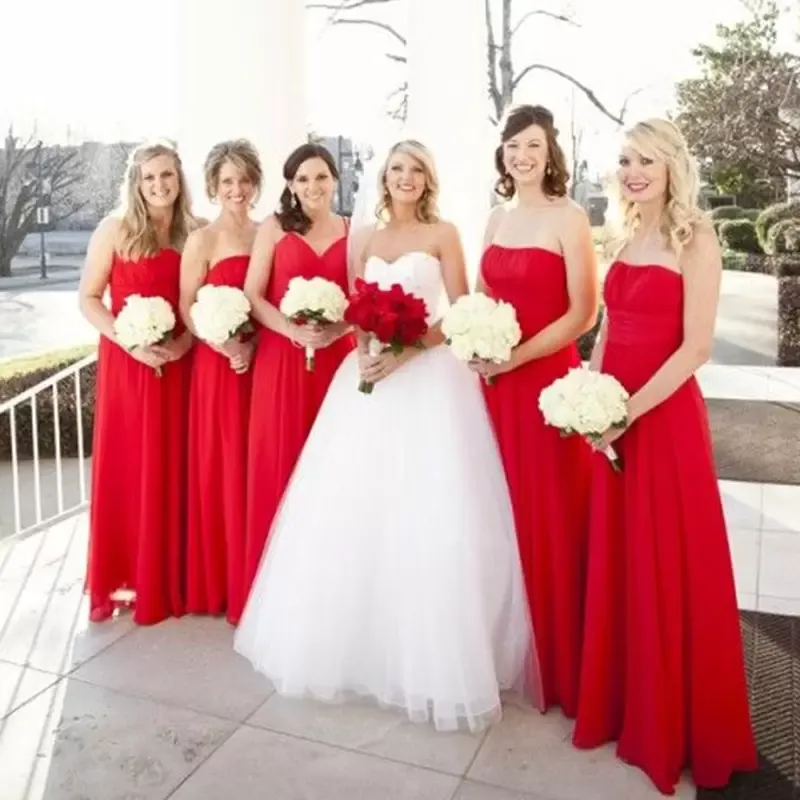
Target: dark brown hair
[
  {"x": 556, "y": 174},
  {"x": 290, "y": 215}
]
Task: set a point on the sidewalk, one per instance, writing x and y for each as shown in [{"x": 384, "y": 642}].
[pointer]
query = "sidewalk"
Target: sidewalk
[{"x": 26, "y": 272}]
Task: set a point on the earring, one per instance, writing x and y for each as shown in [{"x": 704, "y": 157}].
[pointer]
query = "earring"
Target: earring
[{"x": 548, "y": 170}]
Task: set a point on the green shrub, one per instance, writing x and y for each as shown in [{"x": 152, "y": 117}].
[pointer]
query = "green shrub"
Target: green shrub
[
  {"x": 587, "y": 340},
  {"x": 784, "y": 237},
  {"x": 719, "y": 200},
  {"x": 18, "y": 376},
  {"x": 751, "y": 214},
  {"x": 746, "y": 262},
  {"x": 787, "y": 268},
  {"x": 772, "y": 215},
  {"x": 727, "y": 212},
  {"x": 739, "y": 235}
]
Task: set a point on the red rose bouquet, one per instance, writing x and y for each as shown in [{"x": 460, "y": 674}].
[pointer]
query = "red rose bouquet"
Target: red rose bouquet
[{"x": 394, "y": 318}]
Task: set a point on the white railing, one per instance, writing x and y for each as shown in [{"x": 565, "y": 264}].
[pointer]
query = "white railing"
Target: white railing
[{"x": 25, "y": 524}]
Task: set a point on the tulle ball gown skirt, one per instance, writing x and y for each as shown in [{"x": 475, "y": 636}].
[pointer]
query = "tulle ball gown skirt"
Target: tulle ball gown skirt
[{"x": 392, "y": 568}]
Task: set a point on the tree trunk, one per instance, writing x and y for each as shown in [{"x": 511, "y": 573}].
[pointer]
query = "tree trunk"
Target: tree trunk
[
  {"x": 506, "y": 64},
  {"x": 5, "y": 267}
]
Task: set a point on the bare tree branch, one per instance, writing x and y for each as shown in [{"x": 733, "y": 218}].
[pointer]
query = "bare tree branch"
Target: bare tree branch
[
  {"x": 543, "y": 13},
  {"x": 374, "y": 23},
  {"x": 395, "y": 57},
  {"x": 624, "y": 109},
  {"x": 348, "y": 5},
  {"x": 590, "y": 95},
  {"x": 27, "y": 172},
  {"x": 400, "y": 111}
]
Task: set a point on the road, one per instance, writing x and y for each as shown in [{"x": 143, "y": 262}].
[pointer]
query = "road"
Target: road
[{"x": 34, "y": 319}]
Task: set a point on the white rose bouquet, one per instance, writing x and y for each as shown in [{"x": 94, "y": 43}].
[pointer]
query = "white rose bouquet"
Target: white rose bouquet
[
  {"x": 588, "y": 403},
  {"x": 220, "y": 313},
  {"x": 479, "y": 327},
  {"x": 313, "y": 301},
  {"x": 144, "y": 321}
]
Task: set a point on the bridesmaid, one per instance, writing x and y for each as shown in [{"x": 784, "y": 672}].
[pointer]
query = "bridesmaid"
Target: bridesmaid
[
  {"x": 539, "y": 258},
  {"x": 303, "y": 239},
  {"x": 662, "y": 668},
  {"x": 137, "y": 512},
  {"x": 219, "y": 402}
]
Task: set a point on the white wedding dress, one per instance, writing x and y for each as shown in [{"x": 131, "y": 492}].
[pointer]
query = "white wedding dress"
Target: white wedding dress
[{"x": 392, "y": 568}]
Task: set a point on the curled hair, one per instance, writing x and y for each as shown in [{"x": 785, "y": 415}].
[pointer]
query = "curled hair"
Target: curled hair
[
  {"x": 239, "y": 152},
  {"x": 137, "y": 235},
  {"x": 290, "y": 214},
  {"x": 661, "y": 140},
  {"x": 427, "y": 209},
  {"x": 556, "y": 174}
]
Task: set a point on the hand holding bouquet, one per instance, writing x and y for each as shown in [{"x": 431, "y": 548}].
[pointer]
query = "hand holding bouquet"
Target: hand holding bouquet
[
  {"x": 395, "y": 319},
  {"x": 478, "y": 327},
  {"x": 143, "y": 322},
  {"x": 313, "y": 301},
  {"x": 588, "y": 403},
  {"x": 219, "y": 314}
]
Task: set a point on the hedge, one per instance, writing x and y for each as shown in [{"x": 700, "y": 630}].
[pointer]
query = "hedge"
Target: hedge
[
  {"x": 787, "y": 268},
  {"x": 771, "y": 216},
  {"x": 17, "y": 377},
  {"x": 784, "y": 237},
  {"x": 727, "y": 212},
  {"x": 739, "y": 235},
  {"x": 747, "y": 262}
]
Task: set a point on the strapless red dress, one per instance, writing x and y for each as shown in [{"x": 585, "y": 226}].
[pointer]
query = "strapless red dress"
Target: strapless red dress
[
  {"x": 219, "y": 416},
  {"x": 138, "y": 506},
  {"x": 662, "y": 668},
  {"x": 548, "y": 475}
]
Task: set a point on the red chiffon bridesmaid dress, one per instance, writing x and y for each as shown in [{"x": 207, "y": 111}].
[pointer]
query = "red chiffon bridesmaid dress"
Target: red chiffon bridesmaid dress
[
  {"x": 662, "y": 669},
  {"x": 219, "y": 407},
  {"x": 137, "y": 517},
  {"x": 548, "y": 476},
  {"x": 286, "y": 397}
]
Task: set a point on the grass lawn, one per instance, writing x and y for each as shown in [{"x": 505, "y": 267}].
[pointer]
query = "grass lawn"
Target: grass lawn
[{"x": 54, "y": 358}]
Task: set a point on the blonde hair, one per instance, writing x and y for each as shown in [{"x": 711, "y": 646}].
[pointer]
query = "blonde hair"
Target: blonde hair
[
  {"x": 427, "y": 207},
  {"x": 662, "y": 141},
  {"x": 137, "y": 236},
  {"x": 239, "y": 152}
]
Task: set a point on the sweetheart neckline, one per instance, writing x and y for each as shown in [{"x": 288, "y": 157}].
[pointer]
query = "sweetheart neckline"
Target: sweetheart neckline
[{"x": 402, "y": 256}]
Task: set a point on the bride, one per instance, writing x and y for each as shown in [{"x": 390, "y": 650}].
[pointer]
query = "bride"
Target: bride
[{"x": 391, "y": 569}]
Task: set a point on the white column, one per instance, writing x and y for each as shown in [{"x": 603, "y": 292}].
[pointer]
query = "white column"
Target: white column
[
  {"x": 448, "y": 109},
  {"x": 243, "y": 75}
]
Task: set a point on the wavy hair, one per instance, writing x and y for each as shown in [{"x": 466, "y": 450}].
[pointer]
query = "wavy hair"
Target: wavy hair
[
  {"x": 427, "y": 209},
  {"x": 137, "y": 235},
  {"x": 662, "y": 141},
  {"x": 556, "y": 174}
]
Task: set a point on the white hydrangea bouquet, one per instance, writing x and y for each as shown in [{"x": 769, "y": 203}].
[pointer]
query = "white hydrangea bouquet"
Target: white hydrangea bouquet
[
  {"x": 220, "y": 313},
  {"x": 479, "y": 327},
  {"x": 588, "y": 403},
  {"x": 313, "y": 301},
  {"x": 144, "y": 321}
]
